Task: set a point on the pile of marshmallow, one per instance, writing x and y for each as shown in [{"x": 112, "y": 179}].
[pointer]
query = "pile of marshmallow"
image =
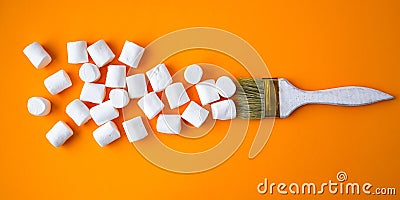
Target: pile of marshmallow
[{"x": 123, "y": 90}]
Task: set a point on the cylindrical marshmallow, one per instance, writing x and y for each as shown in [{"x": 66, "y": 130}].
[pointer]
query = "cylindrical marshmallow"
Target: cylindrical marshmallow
[
  {"x": 106, "y": 134},
  {"x": 89, "y": 72},
  {"x": 108, "y": 102},
  {"x": 100, "y": 52},
  {"x": 103, "y": 113},
  {"x": 39, "y": 106},
  {"x": 93, "y": 92},
  {"x": 225, "y": 86},
  {"x": 195, "y": 114},
  {"x": 223, "y": 110},
  {"x": 131, "y": 54},
  {"x": 134, "y": 129},
  {"x": 176, "y": 95},
  {"x": 169, "y": 123},
  {"x": 193, "y": 74},
  {"x": 59, "y": 133},
  {"x": 78, "y": 112},
  {"x": 150, "y": 104},
  {"x": 37, "y": 55},
  {"x": 159, "y": 77},
  {"x": 207, "y": 92},
  {"x": 77, "y": 52},
  {"x": 119, "y": 98},
  {"x": 57, "y": 82},
  {"x": 116, "y": 76},
  {"x": 136, "y": 86}
]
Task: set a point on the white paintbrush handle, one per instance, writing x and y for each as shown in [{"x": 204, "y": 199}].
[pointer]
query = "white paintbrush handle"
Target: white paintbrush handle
[{"x": 290, "y": 97}]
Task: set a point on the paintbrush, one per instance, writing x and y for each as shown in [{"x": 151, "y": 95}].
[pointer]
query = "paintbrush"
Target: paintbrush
[{"x": 276, "y": 97}]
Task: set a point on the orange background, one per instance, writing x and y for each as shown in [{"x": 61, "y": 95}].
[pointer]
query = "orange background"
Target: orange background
[{"x": 314, "y": 44}]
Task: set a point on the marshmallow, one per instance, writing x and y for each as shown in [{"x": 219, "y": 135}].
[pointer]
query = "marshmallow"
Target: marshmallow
[
  {"x": 116, "y": 76},
  {"x": 134, "y": 129},
  {"x": 170, "y": 124},
  {"x": 225, "y": 87},
  {"x": 59, "y": 133},
  {"x": 207, "y": 91},
  {"x": 106, "y": 134},
  {"x": 176, "y": 95},
  {"x": 37, "y": 55},
  {"x": 159, "y": 77},
  {"x": 119, "y": 98},
  {"x": 223, "y": 110},
  {"x": 39, "y": 106},
  {"x": 100, "y": 53},
  {"x": 103, "y": 113},
  {"x": 57, "y": 82},
  {"x": 136, "y": 86},
  {"x": 195, "y": 114},
  {"x": 89, "y": 72},
  {"x": 131, "y": 54},
  {"x": 150, "y": 104},
  {"x": 77, "y": 52},
  {"x": 193, "y": 74},
  {"x": 78, "y": 112},
  {"x": 108, "y": 102},
  {"x": 93, "y": 92}
]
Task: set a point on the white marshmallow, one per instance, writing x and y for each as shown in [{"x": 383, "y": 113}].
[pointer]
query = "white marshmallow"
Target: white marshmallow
[
  {"x": 37, "y": 55},
  {"x": 223, "y": 110},
  {"x": 193, "y": 74},
  {"x": 77, "y": 52},
  {"x": 170, "y": 124},
  {"x": 225, "y": 86},
  {"x": 39, "y": 106},
  {"x": 134, "y": 129},
  {"x": 108, "y": 102},
  {"x": 131, "y": 54},
  {"x": 159, "y": 77},
  {"x": 195, "y": 114},
  {"x": 207, "y": 92},
  {"x": 176, "y": 95},
  {"x": 151, "y": 105},
  {"x": 89, "y": 72},
  {"x": 116, "y": 76},
  {"x": 103, "y": 113},
  {"x": 100, "y": 53},
  {"x": 78, "y": 112},
  {"x": 93, "y": 92},
  {"x": 136, "y": 86},
  {"x": 119, "y": 98},
  {"x": 57, "y": 82},
  {"x": 59, "y": 133},
  {"x": 106, "y": 134}
]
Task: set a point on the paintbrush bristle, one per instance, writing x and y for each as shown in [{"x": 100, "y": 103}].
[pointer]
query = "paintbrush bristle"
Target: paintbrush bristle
[
  {"x": 249, "y": 97},
  {"x": 256, "y": 98}
]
